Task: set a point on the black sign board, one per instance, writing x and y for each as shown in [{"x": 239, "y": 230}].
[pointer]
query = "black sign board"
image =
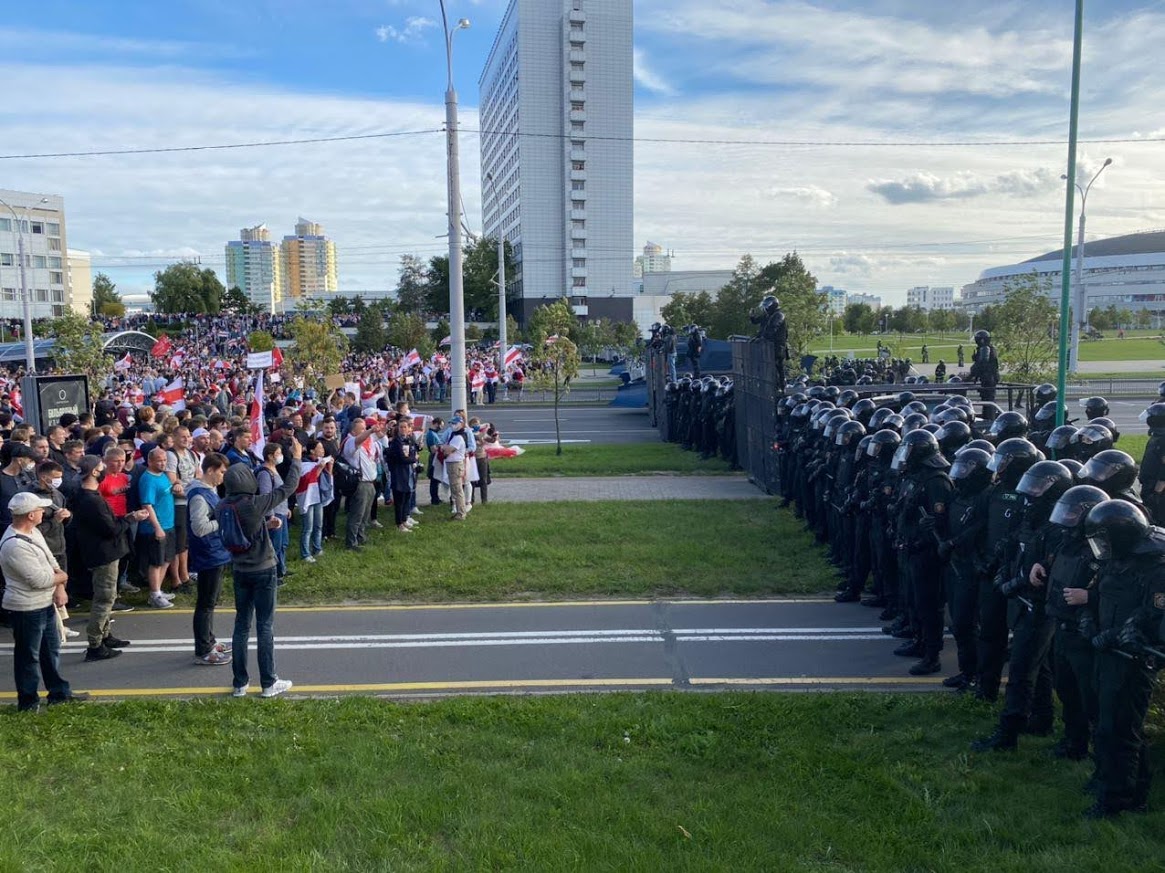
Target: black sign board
[{"x": 47, "y": 398}]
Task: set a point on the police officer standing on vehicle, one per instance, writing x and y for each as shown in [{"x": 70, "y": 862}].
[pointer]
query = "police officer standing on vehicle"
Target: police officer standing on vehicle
[
  {"x": 773, "y": 329},
  {"x": 695, "y": 347},
  {"x": 1131, "y": 613},
  {"x": 985, "y": 366}
]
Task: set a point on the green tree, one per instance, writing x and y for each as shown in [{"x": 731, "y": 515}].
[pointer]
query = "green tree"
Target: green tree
[
  {"x": 1144, "y": 318},
  {"x": 552, "y": 319},
  {"x": 479, "y": 278},
  {"x": 859, "y": 318},
  {"x": 1026, "y": 346},
  {"x": 80, "y": 348},
  {"x": 552, "y": 365},
  {"x": 412, "y": 285},
  {"x": 940, "y": 321},
  {"x": 105, "y": 295},
  {"x": 184, "y": 287},
  {"x": 624, "y": 337},
  {"x": 736, "y": 300},
  {"x": 473, "y": 333},
  {"x": 1124, "y": 318},
  {"x": 806, "y": 309},
  {"x": 318, "y": 350},
  {"x": 408, "y": 331},
  {"x": 513, "y": 332},
  {"x": 235, "y": 302},
  {"x": 686, "y": 308},
  {"x": 260, "y": 341},
  {"x": 437, "y": 284},
  {"x": 593, "y": 337},
  {"x": 339, "y": 305},
  {"x": 371, "y": 336}
]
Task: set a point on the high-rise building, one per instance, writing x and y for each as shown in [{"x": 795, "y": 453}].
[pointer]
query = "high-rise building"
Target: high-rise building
[
  {"x": 871, "y": 300},
  {"x": 931, "y": 298},
  {"x": 556, "y": 99},
  {"x": 837, "y": 298},
  {"x": 308, "y": 262},
  {"x": 253, "y": 266},
  {"x": 653, "y": 260},
  {"x": 40, "y": 224},
  {"x": 80, "y": 281}
]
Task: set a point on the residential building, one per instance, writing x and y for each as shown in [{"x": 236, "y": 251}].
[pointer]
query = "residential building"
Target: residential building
[
  {"x": 556, "y": 98},
  {"x": 653, "y": 260},
  {"x": 307, "y": 263},
  {"x": 655, "y": 290},
  {"x": 871, "y": 300},
  {"x": 837, "y": 298},
  {"x": 80, "y": 284},
  {"x": 929, "y": 298},
  {"x": 39, "y": 223},
  {"x": 1123, "y": 271},
  {"x": 253, "y": 265}
]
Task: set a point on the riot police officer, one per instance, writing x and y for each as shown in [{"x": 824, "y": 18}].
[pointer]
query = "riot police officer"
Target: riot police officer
[
  {"x": 773, "y": 329},
  {"x": 985, "y": 365},
  {"x": 1152, "y": 475},
  {"x": 695, "y": 347}
]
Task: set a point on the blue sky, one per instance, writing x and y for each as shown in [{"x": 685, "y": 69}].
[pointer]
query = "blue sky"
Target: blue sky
[{"x": 123, "y": 73}]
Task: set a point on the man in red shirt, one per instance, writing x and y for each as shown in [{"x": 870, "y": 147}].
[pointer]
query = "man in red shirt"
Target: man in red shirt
[{"x": 113, "y": 487}]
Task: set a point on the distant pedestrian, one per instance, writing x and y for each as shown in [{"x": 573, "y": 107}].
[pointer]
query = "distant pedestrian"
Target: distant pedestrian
[{"x": 959, "y": 352}]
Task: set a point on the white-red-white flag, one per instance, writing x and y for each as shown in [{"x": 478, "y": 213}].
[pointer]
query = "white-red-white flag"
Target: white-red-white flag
[
  {"x": 276, "y": 358},
  {"x": 174, "y": 395},
  {"x": 513, "y": 354},
  {"x": 258, "y": 440},
  {"x": 125, "y": 363}
]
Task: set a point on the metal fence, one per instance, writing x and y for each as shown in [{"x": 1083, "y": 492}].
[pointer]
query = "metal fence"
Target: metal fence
[{"x": 755, "y": 390}]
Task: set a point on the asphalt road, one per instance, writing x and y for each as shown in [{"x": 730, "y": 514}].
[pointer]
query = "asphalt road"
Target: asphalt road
[
  {"x": 534, "y": 425},
  {"x": 487, "y": 648}
]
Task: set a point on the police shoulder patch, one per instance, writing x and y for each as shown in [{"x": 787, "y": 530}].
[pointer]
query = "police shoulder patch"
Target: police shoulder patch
[
  {"x": 1159, "y": 600},
  {"x": 940, "y": 507}
]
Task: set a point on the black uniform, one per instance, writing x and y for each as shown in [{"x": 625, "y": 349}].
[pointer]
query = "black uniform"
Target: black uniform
[
  {"x": 1074, "y": 664},
  {"x": 1004, "y": 512},
  {"x": 967, "y": 527},
  {"x": 1152, "y": 474}
]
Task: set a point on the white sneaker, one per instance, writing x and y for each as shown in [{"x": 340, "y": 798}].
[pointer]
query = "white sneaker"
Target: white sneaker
[
  {"x": 411, "y": 522},
  {"x": 404, "y": 528},
  {"x": 309, "y": 560},
  {"x": 128, "y": 588},
  {"x": 240, "y": 692},
  {"x": 158, "y": 602},
  {"x": 375, "y": 524},
  {"x": 416, "y": 511},
  {"x": 278, "y": 688},
  {"x": 72, "y": 634}
]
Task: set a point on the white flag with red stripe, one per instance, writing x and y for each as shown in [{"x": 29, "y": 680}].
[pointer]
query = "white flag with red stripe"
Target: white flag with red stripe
[
  {"x": 125, "y": 363},
  {"x": 411, "y": 360},
  {"x": 258, "y": 440},
  {"x": 513, "y": 355},
  {"x": 309, "y": 484},
  {"x": 174, "y": 395}
]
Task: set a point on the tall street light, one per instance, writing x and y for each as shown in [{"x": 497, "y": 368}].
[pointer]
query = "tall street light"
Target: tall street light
[
  {"x": 502, "y": 343},
  {"x": 25, "y": 296},
  {"x": 453, "y": 170},
  {"x": 1080, "y": 302}
]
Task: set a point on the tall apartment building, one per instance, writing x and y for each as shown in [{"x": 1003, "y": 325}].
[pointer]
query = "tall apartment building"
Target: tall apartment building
[
  {"x": 40, "y": 222},
  {"x": 556, "y": 98},
  {"x": 308, "y": 262},
  {"x": 836, "y": 298},
  {"x": 253, "y": 265},
  {"x": 653, "y": 260},
  {"x": 931, "y": 298},
  {"x": 871, "y": 300}
]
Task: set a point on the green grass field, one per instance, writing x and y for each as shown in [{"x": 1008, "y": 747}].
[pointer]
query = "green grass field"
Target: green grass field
[
  {"x": 1140, "y": 345},
  {"x": 630, "y": 459},
  {"x": 627, "y": 782}
]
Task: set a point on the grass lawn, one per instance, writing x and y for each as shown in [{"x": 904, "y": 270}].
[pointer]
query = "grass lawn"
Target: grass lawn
[
  {"x": 632, "y": 459},
  {"x": 1129, "y": 349},
  {"x": 556, "y": 551},
  {"x": 627, "y": 782},
  {"x": 909, "y": 346}
]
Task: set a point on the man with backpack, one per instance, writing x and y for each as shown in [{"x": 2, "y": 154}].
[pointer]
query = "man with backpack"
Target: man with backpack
[
  {"x": 243, "y": 527},
  {"x": 208, "y": 559}
]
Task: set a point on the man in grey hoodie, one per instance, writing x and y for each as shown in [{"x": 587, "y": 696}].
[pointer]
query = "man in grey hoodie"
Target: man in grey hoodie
[{"x": 254, "y": 571}]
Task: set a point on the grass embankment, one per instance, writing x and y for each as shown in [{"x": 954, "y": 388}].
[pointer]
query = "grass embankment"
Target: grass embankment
[
  {"x": 629, "y": 459},
  {"x": 616, "y": 782},
  {"x": 1137, "y": 346},
  {"x": 557, "y": 551}
]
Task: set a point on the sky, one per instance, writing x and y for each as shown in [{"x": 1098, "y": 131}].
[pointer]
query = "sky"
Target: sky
[{"x": 892, "y": 143}]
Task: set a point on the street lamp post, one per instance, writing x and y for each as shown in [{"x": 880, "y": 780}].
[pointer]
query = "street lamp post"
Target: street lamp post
[
  {"x": 1079, "y": 300},
  {"x": 502, "y": 338},
  {"x": 453, "y": 170},
  {"x": 26, "y": 298}
]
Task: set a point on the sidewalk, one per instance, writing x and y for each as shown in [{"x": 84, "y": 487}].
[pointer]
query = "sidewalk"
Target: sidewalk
[{"x": 584, "y": 488}]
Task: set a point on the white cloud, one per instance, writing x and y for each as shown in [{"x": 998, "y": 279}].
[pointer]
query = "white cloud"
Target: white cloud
[
  {"x": 926, "y": 187},
  {"x": 647, "y": 77},
  {"x": 811, "y": 195},
  {"x": 412, "y": 31}
]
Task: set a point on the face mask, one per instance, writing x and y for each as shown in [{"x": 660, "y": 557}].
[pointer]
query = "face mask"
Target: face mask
[
  {"x": 28, "y": 467},
  {"x": 57, "y": 481},
  {"x": 278, "y": 460}
]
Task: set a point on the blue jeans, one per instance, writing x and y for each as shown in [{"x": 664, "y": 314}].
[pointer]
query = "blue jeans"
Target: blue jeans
[
  {"x": 37, "y": 651},
  {"x": 311, "y": 536},
  {"x": 279, "y": 542},
  {"x": 254, "y": 592}
]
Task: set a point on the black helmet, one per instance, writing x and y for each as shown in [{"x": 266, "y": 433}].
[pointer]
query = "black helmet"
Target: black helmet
[
  {"x": 893, "y": 422},
  {"x": 863, "y": 447},
  {"x": 960, "y": 400},
  {"x": 1013, "y": 457},
  {"x": 953, "y": 436},
  {"x": 1045, "y": 480},
  {"x": 970, "y": 471},
  {"x": 1114, "y": 528},
  {"x": 922, "y": 380},
  {"x": 817, "y": 392},
  {"x": 670, "y": 387},
  {"x": 931, "y": 427},
  {"x": 864, "y": 410},
  {"x": 1045, "y": 393},
  {"x": 982, "y": 337},
  {"x": 847, "y": 398},
  {"x": 833, "y": 393},
  {"x": 848, "y": 432},
  {"x": 1112, "y": 470},
  {"x": 1060, "y": 441},
  {"x": 919, "y": 448},
  {"x": 1074, "y": 505},
  {"x": 1094, "y": 407},
  {"x": 904, "y": 397},
  {"x": 884, "y": 444},
  {"x": 1104, "y": 421},
  {"x": 982, "y": 445},
  {"x": 865, "y": 380},
  {"x": 835, "y": 419},
  {"x": 770, "y": 303},
  {"x": 1074, "y": 466},
  {"x": 991, "y": 410},
  {"x": 913, "y": 421},
  {"x": 1161, "y": 390},
  {"x": 1008, "y": 425},
  {"x": 879, "y": 416},
  {"x": 913, "y": 406},
  {"x": 1091, "y": 440},
  {"x": 1046, "y": 414},
  {"x": 1154, "y": 416},
  {"x": 910, "y": 380}
]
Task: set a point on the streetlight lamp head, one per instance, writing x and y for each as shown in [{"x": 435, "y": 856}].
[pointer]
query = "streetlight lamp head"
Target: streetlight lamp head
[
  {"x": 1107, "y": 161},
  {"x": 1064, "y": 177},
  {"x": 463, "y": 24}
]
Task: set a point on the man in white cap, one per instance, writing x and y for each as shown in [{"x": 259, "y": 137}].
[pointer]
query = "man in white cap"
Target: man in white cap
[{"x": 35, "y": 588}]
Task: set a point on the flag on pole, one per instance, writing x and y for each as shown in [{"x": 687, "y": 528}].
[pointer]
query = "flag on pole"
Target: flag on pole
[
  {"x": 551, "y": 340},
  {"x": 257, "y": 438},
  {"x": 276, "y": 357},
  {"x": 410, "y": 360},
  {"x": 176, "y": 361},
  {"x": 125, "y": 363},
  {"x": 174, "y": 395},
  {"x": 16, "y": 400},
  {"x": 512, "y": 356},
  {"x": 447, "y": 341},
  {"x": 161, "y": 347}
]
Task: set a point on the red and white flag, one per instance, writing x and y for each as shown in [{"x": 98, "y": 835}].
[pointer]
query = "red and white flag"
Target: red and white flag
[
  {"x": 447, "y": 341},
  {"x": 513, "y": 354},
  {"x": 174, "y": 395},
  {"x": 309, "y": 483},
  {"x": 552, "y": 339},
  {"x": 176, "y": 361},
  {"x": 477, "y": 380},
  {"x": 125, "y": 363},
  {"x": 411, "y": 360},
  {"x": 16, "y": 400},
  {"x": 161, "y": 348},
  {"x": 257, "y": 438},
  {"x": 276, "y": 358}
]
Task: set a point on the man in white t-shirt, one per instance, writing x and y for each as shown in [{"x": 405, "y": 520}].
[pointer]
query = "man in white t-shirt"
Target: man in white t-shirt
[{"x": 454, "y": 452}]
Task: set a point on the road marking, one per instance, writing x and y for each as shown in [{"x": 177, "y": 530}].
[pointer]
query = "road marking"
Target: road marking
[
  {"x": 822, "y": 680},
  {"x": 529, "y": 442}
]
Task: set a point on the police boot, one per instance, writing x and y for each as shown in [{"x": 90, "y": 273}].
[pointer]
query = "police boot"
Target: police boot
[
  {"x": 1070, "y": 750},
  {"x": 909, "y": 649},
  {"x": 1003, "y": 740},
  {"x": 899, "y": 623},
  {"x": 1038, "y": 726},
  {"x": 847, "y": 596},
  {"x": 926, "y": 666},
  {"x": 875, "y": 602},
  {"x": 888, "y": 614},
  {"x": 958, "y": 681}
]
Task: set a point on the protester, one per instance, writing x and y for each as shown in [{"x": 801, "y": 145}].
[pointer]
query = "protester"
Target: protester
[
  {"x": 314, "y": 495},
  {"x": 34, "y": 590},
  {"x": 269, "y": 481},
  {"x": 182, "y": 469},
  {"x": 362, "y": 452},
  {"x": 208, "y": 559},
  {"x": 401, "y": 460},
  {"x": 432, "y": 441},
  {"x": 156, "y": 541},
  {"x": 453, "y": 453}
]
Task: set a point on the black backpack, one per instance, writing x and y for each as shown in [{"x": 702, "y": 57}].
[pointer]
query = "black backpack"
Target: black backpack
[{"x": 345, "y": 477}]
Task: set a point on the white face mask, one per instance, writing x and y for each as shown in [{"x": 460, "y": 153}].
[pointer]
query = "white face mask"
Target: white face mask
[
  {"x": 278, "y": 460},
  {"x": 57, "y": 481}
]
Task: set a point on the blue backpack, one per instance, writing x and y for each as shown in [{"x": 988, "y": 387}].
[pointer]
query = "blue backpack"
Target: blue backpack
[{"x": 230, "y": 526}]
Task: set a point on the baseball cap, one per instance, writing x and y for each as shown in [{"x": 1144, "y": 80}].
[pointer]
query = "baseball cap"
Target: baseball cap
[
  {"x": 88, "y": 464},
  {"x": 25, "y": 502},
  {"x": 371, "y": 421},
  {"x": 457, "y": 419},
  {"x": 200, "y": 432},
  {"x": 20, "y": 450}
]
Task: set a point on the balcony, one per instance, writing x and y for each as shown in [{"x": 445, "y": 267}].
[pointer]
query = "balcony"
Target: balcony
[
  {"x": 577, "y": 16},
  {"x": 578, "y": 77},
  {"x": 578, "y": 95},
  {"x": 578, "y": 115},
  {"x": 578, "y": 233},
  {"x": 578, "y": 36},
  {"x": 581, "y": 310},
  {"x": 578, "y": 214},
  {"x": 578, "y": 56},
  {"x": 578, "y": 175},
  {"x": 578, "y": 154},
  {"x": 579, "y": 196},
  {"x": 578, "y": 253}
]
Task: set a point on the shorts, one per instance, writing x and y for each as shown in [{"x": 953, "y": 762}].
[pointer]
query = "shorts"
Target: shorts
[
  {"x": 154, "y": 552},
  {"x": 180, "y": 529}
]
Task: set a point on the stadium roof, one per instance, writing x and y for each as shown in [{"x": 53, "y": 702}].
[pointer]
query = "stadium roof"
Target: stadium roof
[{"x": 1151, "y": 242}]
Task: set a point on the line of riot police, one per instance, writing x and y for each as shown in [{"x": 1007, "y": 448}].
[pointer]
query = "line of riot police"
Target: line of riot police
[
  {"x": 1033, "y": 542},
  {"x": 701, "y": 415}
]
